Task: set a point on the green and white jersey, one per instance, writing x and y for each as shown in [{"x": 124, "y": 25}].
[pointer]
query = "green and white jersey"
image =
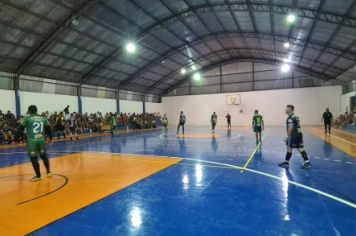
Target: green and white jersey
[
  {"x": 214, "y": 118},
  {"x": 257, "y": 120},
  {"x": 35, "y": 127},
  {"x": 113, "y": 120},
  {"x": 164, "y": 120}
]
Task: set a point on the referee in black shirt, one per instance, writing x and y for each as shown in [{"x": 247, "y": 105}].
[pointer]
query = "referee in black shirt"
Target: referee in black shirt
[{"x": 328, "y": 119}]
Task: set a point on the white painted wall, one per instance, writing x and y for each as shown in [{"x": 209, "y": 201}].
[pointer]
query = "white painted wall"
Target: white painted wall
[
  {"x": 310, "y": 103},
  {"x": 92, "y": 105},
  {"x": 131, "y": 106},
  {"x": 152, "y": 107},
  {"x": 7, "y": 101},
  {"x": 345, "y": 102},
  {"x": 47, "y": 102},
  {"x": 56, "y": 102}
]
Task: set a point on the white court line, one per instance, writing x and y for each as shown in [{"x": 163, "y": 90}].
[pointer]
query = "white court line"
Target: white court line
[
  {"x": 161, "y": 136},
  {"x": 350, "y": 204},
  {"x": 353, "y": 205}
]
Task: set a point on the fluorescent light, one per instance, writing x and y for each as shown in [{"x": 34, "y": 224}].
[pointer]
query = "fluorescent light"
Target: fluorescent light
[
  {"x": 285, "y": 68},
  {"x": 75, "y": 22},
  {"x": 183, "y": 71},
  {"x": 286, "y": 60},
  {"x": 196, "y": 76},
  {"x": 130, "y": 47},
  {"x": 286, "y": 44},
  {"x": 291, "y": 18}
]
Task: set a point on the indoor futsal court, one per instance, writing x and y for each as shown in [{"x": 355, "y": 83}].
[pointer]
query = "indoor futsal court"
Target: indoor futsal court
[{"x": 178, "y": 117}]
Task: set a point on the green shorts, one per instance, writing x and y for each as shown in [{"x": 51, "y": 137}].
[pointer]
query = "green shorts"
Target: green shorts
[{"x": 36, "y": 147}]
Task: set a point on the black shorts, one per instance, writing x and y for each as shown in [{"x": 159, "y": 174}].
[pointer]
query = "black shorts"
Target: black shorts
[
  {"x": 181, "y": 124},
  {"x": 257, "y": 129},
  {"x": 60, "y": 128},
  {"x": 295, "y": 141},
  {"x": 72, "y": 129}
]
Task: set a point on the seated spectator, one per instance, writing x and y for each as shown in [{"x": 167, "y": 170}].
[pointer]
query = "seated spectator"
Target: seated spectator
[{"x": 7, "y": 134}]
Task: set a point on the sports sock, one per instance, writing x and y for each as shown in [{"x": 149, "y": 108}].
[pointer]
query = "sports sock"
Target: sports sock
[
  {"x": 36, "y": 166},
  {"x": 46, "y": 162},
  {"x": 288, "y": 156},
  {"x": 305, "y": 156}
]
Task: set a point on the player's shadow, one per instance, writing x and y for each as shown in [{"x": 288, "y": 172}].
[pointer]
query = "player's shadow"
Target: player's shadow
[
  {"x": 214, "y": 143},
  {"x": 327, "y": 148},
  {"x": 182, "y": 145},
  {"x": 259, "y": 154},
  {"x": 228, "y": 133},
  {"x": 115, "y": 145}
]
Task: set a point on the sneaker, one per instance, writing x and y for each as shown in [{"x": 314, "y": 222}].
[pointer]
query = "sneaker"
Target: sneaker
[
  {"x": 35, "y": 179},
  {"x": 306, "y": 165},
  {"x": 284, "y": 164},
  {"x": 49, "y": 175}
]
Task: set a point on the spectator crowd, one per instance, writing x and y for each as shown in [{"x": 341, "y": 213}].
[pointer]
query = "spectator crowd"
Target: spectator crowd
[
  {"x": 344, "y": 120},
  {"x": 62, "y": 123}
]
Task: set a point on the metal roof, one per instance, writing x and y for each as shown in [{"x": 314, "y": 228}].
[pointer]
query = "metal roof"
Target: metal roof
[{"x": 82, "y": 41}]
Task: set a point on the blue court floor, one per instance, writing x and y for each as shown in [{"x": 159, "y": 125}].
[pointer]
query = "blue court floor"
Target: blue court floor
[{"x": 206, "y": 194}]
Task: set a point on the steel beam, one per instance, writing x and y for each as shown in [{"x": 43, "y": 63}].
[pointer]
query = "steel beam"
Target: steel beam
[
  {"x": 232, "y": 34},
  {"x": 53, "y": 34},
  {"x": 232, "y": 60}
]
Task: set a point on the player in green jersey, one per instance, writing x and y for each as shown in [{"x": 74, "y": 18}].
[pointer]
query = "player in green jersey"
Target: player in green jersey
[
  {"x": 213, "y": 121},
  {"x": 36, "y": 126},
  {"x": 165, "y": 121},
  {"x": 113, "y": 124},
  {"x": 258, "y": 126}
]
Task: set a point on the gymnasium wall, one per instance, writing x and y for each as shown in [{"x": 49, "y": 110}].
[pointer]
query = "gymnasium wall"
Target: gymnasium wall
[
  {"x": 7, "y": 101},
  {"x": 92, "y": 105},
  {"x": 56, "y": 102},
  {"x": 152, "y": 107},
  {"x": 310, "y": 103},
  {"x": 131, "y": 106},
  {"x": 47, "y": 102}
]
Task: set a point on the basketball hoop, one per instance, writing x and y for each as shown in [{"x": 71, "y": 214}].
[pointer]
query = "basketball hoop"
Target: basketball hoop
[{"x": 233, "y": 99}]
